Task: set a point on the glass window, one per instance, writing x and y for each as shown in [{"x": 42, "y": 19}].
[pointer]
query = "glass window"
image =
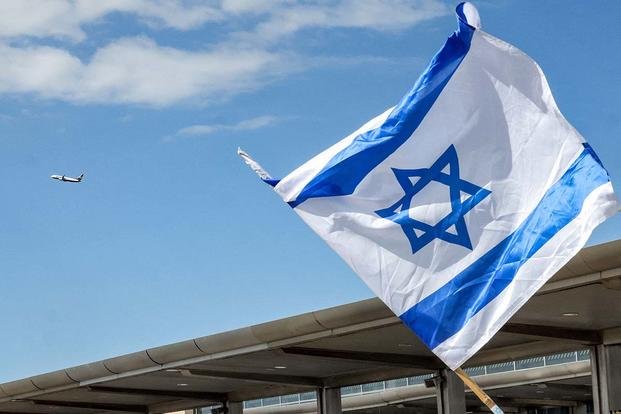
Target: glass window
[
  {"x": 308, "y": 396},
  {"x": 351, "y": 389},
  {"x": 500, "y": 367},
  {"x": 291, "y": 398},
  {"x": 419, "y": 379},
  {"x": 530, "y": 363},
  {"x": 561, "y": 358},
  {"x": 252, "y": 403},
  {"x": 373, "y": 386},
  {"x": 399, "y": 382},
  {"x": 584, "y": 355},
  {"x": 474, "y": 371},
  {"x": 271, "y": 401}
]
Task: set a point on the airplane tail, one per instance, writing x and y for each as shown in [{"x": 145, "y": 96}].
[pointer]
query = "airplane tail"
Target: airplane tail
[{"x": 80, "y": 177}]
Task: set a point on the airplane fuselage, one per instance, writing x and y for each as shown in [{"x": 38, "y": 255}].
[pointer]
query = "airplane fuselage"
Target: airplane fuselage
[{"x": 66, "y": 179}]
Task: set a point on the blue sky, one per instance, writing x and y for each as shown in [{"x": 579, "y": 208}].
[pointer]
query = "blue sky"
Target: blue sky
[{"x": 170, "y": 236}]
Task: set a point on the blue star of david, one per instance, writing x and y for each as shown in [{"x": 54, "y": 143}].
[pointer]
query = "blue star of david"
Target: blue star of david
[{"x": 454, "y": 221}]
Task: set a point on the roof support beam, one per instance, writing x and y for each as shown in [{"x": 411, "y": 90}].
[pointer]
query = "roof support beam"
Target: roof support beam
[
  {"x": 253, "y": 376},
  {"x": 130, "y": 408},
  {"x": 20, "y": 412},
  {"x": 402, "y": 360},
  {"x": 540, "y": 402},
  {"x": 195, "y": 395},
  {"x": 580, "y": 388},
  {"x": 378, "y": 374},
  {"x": 585, "y": 336}
]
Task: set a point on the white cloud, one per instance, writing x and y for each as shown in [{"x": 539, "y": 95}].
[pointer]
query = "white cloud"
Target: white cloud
[
  {"x": 65, "y": 18},
  {"x": 382, "y": 15},
  {"x": 139, "y": 71},
  {"x": 37, "y": 18},
  {"x": 135, "y": 71},
  {"x": 253, "y": 6},
  {"x": 207, "y": 129}
]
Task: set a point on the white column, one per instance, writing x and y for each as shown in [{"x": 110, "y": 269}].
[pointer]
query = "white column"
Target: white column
[
  {"x": 606, "y": 378},
  {"x": 329, "y": 401},
  {"x": 234, "y": 407},
  {"x": 450, "y": 393}
]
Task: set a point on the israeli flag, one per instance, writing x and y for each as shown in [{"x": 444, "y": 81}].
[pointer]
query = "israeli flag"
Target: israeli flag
[{"x": 459, "y": 203}]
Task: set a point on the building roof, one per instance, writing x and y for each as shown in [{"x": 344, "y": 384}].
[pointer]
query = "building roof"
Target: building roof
[{"x": 349, "y": 344}]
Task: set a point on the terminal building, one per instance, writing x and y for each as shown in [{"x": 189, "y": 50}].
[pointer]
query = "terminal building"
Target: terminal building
[{"x": 559, "y": 354}]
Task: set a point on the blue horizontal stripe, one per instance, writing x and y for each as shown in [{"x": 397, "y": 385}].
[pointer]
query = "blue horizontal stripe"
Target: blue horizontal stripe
[
  {"x": 446, "y": 311},
  {"x": 342, "y": 174}
]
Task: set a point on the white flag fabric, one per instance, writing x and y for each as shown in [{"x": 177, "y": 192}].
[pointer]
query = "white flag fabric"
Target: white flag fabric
[{"x": 459, "y": 203}]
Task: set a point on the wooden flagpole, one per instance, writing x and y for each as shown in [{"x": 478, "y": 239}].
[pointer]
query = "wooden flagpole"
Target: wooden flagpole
[{"x": 478, "y": 391}]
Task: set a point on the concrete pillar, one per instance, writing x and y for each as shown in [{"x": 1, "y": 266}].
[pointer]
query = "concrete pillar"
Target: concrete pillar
[
  {"x": 606, "y": 378},
  {"x": 450, "y": 393},
  {"x": 329, "y": 401},
  {"x": 579, "y": 409},
  {"x": 231, "y": 407}
]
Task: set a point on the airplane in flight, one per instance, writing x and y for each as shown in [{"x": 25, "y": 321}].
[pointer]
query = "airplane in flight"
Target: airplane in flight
[{"x": 68, "y": 179}]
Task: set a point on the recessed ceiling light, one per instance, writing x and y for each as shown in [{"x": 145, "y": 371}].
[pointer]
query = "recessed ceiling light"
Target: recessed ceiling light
[
  {"x": 571, "y": 314},
  {"x": 280, "y": 367},
  {"x": 183, "y": 384}
]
